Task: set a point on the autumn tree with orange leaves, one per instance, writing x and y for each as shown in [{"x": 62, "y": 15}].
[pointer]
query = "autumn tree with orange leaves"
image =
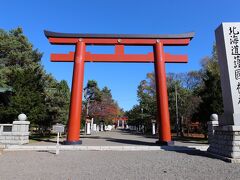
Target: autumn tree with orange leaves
[{"x": 102, "y": 107}]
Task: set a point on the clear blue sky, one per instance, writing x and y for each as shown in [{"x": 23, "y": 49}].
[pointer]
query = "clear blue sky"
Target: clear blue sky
[{"x": 122, "y": 16}]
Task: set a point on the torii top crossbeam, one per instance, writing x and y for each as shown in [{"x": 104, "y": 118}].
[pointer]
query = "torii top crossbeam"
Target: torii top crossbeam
[
  {"x": 119, "y": 40},
  {"x": 80, "y": 56}
]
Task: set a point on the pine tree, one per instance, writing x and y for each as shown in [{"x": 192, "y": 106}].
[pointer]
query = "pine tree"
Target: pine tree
[{"x": 34, "y": 92}]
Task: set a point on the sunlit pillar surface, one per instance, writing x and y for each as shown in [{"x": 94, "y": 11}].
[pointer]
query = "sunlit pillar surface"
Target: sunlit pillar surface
[
  {"x": 162, "y": 96},
  {"x": 76, "y": 95}
]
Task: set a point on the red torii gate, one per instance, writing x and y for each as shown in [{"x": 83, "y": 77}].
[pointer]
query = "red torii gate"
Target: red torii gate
[
  {"x": 117, "y": 119},
  {"x": 80, "y": 56},
  {"x": 120, "y": 118}
]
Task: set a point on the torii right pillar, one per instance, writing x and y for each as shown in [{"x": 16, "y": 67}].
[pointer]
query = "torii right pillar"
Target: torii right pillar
[{"x": 164, "y": 128}]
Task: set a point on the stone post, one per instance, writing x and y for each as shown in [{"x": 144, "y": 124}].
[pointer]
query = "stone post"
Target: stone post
[
  {"x": 88, "y": 126},
  {"x": 153, "y": 129},
  {"x": 20, "y": 131},
  {"x": 94, "y": 127},
  {"x": 20, "y": 128},
  {"x": 212, "y": 126},
  {"x": 92, "y": 123},
  {"x": 153, "y": 126},
  {"x": 101, "y": 126}
]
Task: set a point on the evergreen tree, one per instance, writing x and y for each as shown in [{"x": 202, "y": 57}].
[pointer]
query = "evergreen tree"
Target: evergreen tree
[
  {"x": 210, "y": 90},
  {"x": 21, "y": 70},
  {"x": 57, "y": 101},
  {"x": 34, "y": 92}
]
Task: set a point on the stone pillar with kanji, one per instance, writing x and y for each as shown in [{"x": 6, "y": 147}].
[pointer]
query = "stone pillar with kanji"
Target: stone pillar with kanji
[{"x": 226, "y": 139}]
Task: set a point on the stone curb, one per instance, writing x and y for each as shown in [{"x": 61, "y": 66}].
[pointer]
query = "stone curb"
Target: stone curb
[{"x": 104, "y": 148}]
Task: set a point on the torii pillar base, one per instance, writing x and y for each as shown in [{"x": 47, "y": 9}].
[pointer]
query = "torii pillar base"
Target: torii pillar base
[
  {"x": 72, "y": 142},
  {"x": 164, "y": 143}
]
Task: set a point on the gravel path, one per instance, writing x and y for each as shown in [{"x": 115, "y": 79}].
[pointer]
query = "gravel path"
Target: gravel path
[
  {"x": 101, "y": 165},
  {"x": 114, "y": 165}
]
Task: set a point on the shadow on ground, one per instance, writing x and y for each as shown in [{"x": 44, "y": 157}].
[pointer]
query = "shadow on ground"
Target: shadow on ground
[
  {"x": 122, "y": 141},
  {"x": 132, "y": 142},
  {"x": 197, "y": 141},
  {"x": 190, "y": 151}
]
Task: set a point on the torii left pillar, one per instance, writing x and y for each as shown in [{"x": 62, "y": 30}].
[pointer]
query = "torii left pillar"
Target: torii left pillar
[{"x": 76, "y": 95}]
